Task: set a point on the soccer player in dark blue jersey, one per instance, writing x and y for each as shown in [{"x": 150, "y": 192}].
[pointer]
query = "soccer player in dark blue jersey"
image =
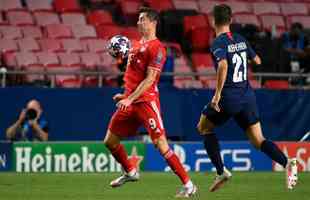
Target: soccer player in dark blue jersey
[{"x": 234, "y": 98}]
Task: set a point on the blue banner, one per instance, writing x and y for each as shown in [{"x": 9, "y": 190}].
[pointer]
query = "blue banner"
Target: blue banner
[
  {"x": 5, "y": 156},
  {"x": 237, "y": 156}
]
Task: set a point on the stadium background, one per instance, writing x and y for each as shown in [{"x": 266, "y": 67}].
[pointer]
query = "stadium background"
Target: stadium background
[{"x": 39, "y": 39}]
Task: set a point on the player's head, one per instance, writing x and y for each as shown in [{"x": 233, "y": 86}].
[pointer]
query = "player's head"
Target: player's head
[
  {"x": 222, "y": 15},
  {"x": 148, "y": 19}
]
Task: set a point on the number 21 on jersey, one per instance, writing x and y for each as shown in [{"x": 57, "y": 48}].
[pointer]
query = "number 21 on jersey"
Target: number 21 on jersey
[{"x": 239, "y": 59}]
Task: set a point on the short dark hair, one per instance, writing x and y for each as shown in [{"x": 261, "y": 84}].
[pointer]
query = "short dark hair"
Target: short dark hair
[
  {"x": 150, "y": 13},
  {"x": 222, "y": 14}
]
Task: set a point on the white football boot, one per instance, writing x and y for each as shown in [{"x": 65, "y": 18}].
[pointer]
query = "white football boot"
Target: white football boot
[
  {"x": 220, "y": 180},
  {"x": 126, "y": 177},
  {"x": 186, "y": 191},
  {"x": 291, "y": 173}
]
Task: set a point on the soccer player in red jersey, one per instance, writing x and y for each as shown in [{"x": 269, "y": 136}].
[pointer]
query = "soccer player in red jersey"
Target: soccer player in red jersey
[{"x": 139, "y": 105}]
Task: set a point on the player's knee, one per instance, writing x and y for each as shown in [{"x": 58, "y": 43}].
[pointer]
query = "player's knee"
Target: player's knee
[{"x": 161, "y": 145}]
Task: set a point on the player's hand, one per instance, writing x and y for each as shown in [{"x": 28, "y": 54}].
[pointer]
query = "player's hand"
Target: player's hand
[
  {"x": 124, "y": 103},
  {"x": 215, "y": 102},
  {"x": 33, "y": 123},
  {"x": 22, "y": 115},
  {"x": 118, "y": 97}
]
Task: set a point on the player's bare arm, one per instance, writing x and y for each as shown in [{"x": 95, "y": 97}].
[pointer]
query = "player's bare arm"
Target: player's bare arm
[
  {"x": 221, "y": 78},
  {"x": 257, "y": 60},
  {"x": 142, "y": 87}
]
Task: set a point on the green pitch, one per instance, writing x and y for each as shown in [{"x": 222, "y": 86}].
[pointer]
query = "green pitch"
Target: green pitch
[{"x": 152, "y": 186}]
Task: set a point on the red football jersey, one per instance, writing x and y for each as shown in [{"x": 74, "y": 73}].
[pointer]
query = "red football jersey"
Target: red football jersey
[{"x": 150, "y": 54}]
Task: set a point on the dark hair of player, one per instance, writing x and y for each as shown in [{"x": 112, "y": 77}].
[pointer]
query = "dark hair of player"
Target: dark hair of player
[
  {"x": 150, "y": 13},
  {"x": 222, "y": 14}
]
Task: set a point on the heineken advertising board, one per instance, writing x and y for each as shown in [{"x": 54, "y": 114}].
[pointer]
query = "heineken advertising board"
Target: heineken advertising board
[{"x": 71, "y": 157}]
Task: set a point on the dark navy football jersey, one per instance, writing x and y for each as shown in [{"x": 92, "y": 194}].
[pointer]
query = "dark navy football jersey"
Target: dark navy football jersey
[{"x": 236, "y": 50}]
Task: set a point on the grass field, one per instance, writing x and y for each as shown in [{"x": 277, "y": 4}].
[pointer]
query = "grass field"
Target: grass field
[{"x": 152, "y": 186}]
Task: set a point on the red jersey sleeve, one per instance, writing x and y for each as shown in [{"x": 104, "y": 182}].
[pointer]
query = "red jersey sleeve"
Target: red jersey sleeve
[{"x": 157, "y": 56}]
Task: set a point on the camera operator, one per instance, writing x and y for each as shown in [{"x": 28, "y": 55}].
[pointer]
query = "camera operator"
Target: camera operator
[{"x": 30, "y": 126}]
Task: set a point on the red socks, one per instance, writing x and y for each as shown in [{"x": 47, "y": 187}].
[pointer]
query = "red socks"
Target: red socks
[
  {"x": 175, "y": 164},
  {"x": 121, "y": 156}
]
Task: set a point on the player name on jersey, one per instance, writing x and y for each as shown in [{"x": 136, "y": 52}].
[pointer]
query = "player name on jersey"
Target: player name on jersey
[{"x": 236, "y": 47}]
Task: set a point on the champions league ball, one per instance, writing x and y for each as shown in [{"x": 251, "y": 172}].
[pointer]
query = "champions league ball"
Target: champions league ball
[{"x": 119, "y": 46}]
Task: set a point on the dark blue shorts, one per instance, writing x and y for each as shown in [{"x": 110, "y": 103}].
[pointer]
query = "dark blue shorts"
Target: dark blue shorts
[{"x": 244, "y": 113}]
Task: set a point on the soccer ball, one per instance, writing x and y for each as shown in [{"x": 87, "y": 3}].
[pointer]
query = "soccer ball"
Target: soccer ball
[{"x": 119, "y": 46}]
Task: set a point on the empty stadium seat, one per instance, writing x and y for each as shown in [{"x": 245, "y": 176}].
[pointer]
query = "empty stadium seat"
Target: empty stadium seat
[
  {"x": 192, "y": 22},
  {"x": 239, "y": 7},
  {"x": 20, "y": 18},
  {"x": 261, "y": 8},
  {"x": 28, "y": 61},
  {"x": 46, "y": 18},
  {"x": 73, "y": 19},
  {"x": 68, "y": 81},
  {"x": 28, "y": 44},
  {"x": 160, "y": 5},
  {"x": 50, "y": 45},
  {"x": 58, "y": 31},
  {"x": 8, "y": 45},
  {"x": 304, "y": 20},
  {"x": 72, "y": 45},
  {"x": 84, "y": 31},
  {"x": 294, "y": 9},
  {"x": 202, "y": 60},
  {"x": 32, "y": 31},
  {"x": 206, "y": 7},
  {"x": 276, "y": 84},
  {"x": 11, "y": 32},
  {"x": 69, "y": 59},
  {"x": 99, "y": 17},
  {"x": 200, "y": 38},
  {"x": 9, "y": 5},
  {"x": 67, "y": 6},
  {"x": 95, "y": 45},
  {"x": 48, "y": 59},
  {"x": 185, "y": 4},
  {"x": 39, "y": 5},
  {"x": 90, "y": 60},
  {"x": 132, "y": 33},
  {"x": 246, "y": 19},
  {"x": 26, "y": 58},
  {"x": 272, "y": 20},
  {"x": 130, "y": 9},
  {"x": 108, "y": 31}
]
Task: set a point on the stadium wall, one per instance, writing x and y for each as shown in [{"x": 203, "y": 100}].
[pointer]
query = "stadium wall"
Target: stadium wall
[{"x": 83, "y": 114}]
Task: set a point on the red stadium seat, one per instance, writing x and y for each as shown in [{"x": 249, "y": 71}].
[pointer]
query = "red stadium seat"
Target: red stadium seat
[
  {"x": 95, "y": 45},
  {"x": 304, "y": 20},
  {"x": 160, "y": 5},
  {"x": 239, "y": 7},
  {"x": 90, "y": 60},
  {"x": 67, "y": 6},
  {"x": 107, "y": 60},
  {"x": 11, "y": 32},
  {"x": 26, "y": 58},
  {"x": 276, "y": 84},
  {"x": 10, "y": 60},
  {"x": 200, "y": 38},
  {"x": 58, "y": 31},
  {"x": 8, "y": 45},
  {"x": 32, "y": 31},
  {"x": 72, "y": 45},
  {"x": 9, "y": 5},
  {"x": 272, "y": 20},
  {"x": 192, "y": 22},
  {"x": 99, "y": 17},
  {"x": 130, "y": 10},
  {"x": 185, "y": 4},
  {"x": 202, "y": 60},
  {"x": 48, "y": 59},
  {"x": 51, "y": 45},
  {"x": 39, "y": 5},
  {"x": 108, "y": 31},
  {"x": 20, "y": 18},
  {"x": 132, "y": 33},
  {"x": 84, "y": 31},
  {"x": 262, "y": 8},
  {"x": 46, "y": 18},
  {"x": 28, "y": 44},
  {"x": 68, "y": 81},
  {"x": 73, "y": 19},
  {"x": 65, "y": 80},
  {"x": 206, "y": 7},
  {"x": 69, "y": 59},
  {"x": 246, "y": 19},
  {"x": 294, "y": 9}
]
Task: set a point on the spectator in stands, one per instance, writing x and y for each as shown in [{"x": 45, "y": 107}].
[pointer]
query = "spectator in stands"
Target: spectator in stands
[
  {"x": 296, "y": 48},
  {"x": 30, "y": 126}
]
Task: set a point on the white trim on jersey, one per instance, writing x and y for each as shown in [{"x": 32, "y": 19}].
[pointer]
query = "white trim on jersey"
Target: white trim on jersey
[{"x": 156, "y": 110}]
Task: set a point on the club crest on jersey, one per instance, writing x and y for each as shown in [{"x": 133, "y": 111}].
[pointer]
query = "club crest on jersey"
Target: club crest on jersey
[
  {"x": 159, "y": 57},
  {"x": 143, "y": 48}
]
